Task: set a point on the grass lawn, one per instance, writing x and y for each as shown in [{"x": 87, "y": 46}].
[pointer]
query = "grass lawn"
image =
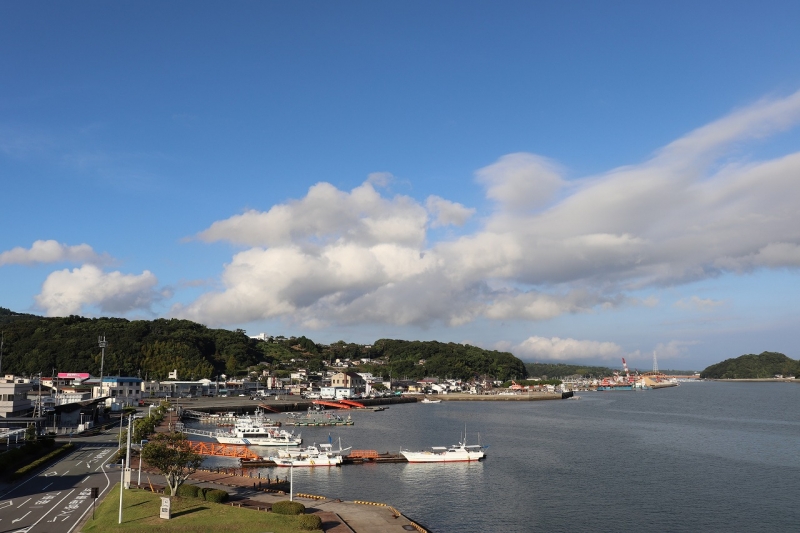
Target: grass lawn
[{"x": 140, "y": 509}]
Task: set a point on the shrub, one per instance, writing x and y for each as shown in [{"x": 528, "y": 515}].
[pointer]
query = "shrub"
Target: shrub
[
  {"x": 309, "y": 522},
  {"x": 288, "y": 507},
  {"x": 27, "y": 469},
  {"x": 187, "y": 490},
  {"x": 216, "y": 496}
]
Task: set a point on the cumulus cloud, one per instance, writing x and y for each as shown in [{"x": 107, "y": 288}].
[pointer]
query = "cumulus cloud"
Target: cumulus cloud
[
  {"x": 67, "y": 292},
  {"x": 326, "y": 215},
  {"x": 446, "y": 213},
  {"x": 546, "y": 248},
  {"x": 50, "y": 251},
  {"x": 556, "y": 349},
  {"x": 521, "y": 180}
]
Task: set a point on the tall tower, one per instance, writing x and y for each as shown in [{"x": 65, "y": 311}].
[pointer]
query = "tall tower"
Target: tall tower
[
  {"x": 102, "y": 342},
  {"x": 655, "y": 363}
]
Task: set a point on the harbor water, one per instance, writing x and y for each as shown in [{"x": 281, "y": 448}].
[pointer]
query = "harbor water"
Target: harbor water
[{"x": 703, "y": 456}]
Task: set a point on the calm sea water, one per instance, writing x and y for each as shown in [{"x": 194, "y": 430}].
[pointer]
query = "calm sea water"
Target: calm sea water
[{"x": 698, "y": 457}]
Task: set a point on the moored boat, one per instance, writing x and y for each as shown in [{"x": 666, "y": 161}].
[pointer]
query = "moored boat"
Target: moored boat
[{"x": 461, "y": 452}]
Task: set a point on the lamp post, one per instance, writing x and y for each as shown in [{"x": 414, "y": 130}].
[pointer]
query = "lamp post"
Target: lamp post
[
  {"x": 141, "y": 448},
  {"x": 121, "y": 483},
  {"x": 128, "y": 450}
]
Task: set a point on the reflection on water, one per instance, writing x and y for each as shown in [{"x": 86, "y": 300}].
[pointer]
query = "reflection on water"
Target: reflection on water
[{"x": 704, "y": 456}]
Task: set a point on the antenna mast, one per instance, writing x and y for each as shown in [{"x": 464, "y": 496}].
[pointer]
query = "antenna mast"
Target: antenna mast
[{"x": 655, "y": 363}]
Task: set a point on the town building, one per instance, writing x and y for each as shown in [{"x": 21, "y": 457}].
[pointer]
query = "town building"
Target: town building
[
  {"x": 14, "y": 400},
  {"x": 126, "y": 391}
]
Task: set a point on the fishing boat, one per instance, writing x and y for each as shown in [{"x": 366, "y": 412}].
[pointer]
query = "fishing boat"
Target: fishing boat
[
  {"x": 317, "y": 416},
  {"x": 309, "y": 460},
  {"x": 461, "y": 452},
  {"x": 249, "y": 431},
  {"x": 428, "y": 400}
]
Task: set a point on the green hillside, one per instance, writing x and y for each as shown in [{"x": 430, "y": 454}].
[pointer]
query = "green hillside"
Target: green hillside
[
  {"x": 152, "y": 348},
  {"x": 751, "y": 366}
]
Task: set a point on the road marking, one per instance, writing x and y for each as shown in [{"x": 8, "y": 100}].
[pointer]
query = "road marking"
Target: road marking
[
  {"x": 47, "y": 486},
  {"x": 48, "y": 512},
  {"x": 65, "y": 473},
  {"x": 6, "y": 503},
  {"x": 53, "y": 473},
  {"x": 21, "y": 518},
  {"x": 23, "y": 503},
  {"x": 84, "y": 479}
]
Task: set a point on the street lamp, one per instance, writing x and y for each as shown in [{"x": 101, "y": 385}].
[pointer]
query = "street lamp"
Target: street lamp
[{"x": 141, "y": 448}]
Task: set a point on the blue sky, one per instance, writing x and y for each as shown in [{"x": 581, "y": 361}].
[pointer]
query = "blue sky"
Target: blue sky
[{"x": 570, "y": 181}]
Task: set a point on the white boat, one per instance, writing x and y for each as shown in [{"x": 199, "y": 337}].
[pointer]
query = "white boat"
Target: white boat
[
  {"x": 322, "y": 449},
  {"x": 321, "y": 459},
  {"x": 461, "y": 452},
  {"x": 428, "y": 400},
  {"x": 249, "y": 431}
]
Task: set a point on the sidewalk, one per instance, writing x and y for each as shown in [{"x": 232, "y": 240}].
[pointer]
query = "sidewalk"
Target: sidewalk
[{"x": 337, "y": 516}]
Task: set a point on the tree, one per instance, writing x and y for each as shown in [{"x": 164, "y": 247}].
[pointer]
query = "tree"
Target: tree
[{"x": 171, "y": 454}]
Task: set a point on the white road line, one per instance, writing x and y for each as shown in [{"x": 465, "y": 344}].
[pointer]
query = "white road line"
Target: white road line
[
  {"x": 21, "y": 518},
  {"x": 65, "y": 473},
  {"x": 50, "y": 511},
  {"x": 108, "y": 483},
  {"x": 23, "y": 503},
  {"x": 47, "y": 485},
  {"x": 84, "y": 479}
]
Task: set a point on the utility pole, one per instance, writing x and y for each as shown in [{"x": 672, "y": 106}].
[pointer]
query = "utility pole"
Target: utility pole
[
  {"x": 2, "y": 340},
  {"x": 102, "y": 342},
  {"x": 128, "y": 454}
]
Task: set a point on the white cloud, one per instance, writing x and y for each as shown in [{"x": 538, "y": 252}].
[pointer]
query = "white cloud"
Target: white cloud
[
  {"x": 521, "y": 180},
  {"x": 556, "y": 349},
  {"x": 446, "y": 212},
  {"x": 545, "y": 249},
  {"x": 696, "y": 303},
  {"x": 67, "y": 292},
  {"x": 326, "y": 215},
  {"x": 50, "y": 251},
  {"x": 673, "y": 349}
]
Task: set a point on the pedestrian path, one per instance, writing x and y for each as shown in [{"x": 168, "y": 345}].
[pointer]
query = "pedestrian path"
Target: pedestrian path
[{"x": 337, "y": 516}]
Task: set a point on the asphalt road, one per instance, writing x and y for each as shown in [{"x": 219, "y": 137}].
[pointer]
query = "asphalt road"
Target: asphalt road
[{"x": 56, "y": 499}]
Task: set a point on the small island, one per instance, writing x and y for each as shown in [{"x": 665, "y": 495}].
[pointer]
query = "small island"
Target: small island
[{"x": 766, "y": 366}]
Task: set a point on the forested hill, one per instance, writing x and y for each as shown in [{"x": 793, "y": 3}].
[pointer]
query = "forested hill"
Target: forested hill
[
  {"x": 140, "y": 347},
  {"x": 751, "y": 366},
  {"x": 153, "y": 348},
  {"x": 447, "y": 360},
  {"x": 561, "y": 370}
]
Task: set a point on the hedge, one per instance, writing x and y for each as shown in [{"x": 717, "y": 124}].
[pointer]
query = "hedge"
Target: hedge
[
  {"x": 187, "y": 490},
  {"x": 288, "y": 507},
  {"x": 309, "y": 522},
  {"x": 41, "y": 461},
  {"x": 216, "y": 496}
]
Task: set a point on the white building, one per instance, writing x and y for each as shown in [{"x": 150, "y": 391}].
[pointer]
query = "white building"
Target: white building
[
  {"x": 14, "y": 400},
  {"x": 123, "y": 390}
]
